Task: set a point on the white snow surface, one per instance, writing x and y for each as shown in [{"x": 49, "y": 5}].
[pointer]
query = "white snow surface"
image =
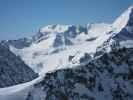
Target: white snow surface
[
  {"x": 42, "y": 57},
  {"x": 18, "y": 92},
  {"x": 54, "y": 28},
  {"x": 122, "y": 20},
  {"x": 96, "y": 30}
]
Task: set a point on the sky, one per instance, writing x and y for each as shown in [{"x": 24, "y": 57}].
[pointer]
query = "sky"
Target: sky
[{"x": 23, "y": 18}]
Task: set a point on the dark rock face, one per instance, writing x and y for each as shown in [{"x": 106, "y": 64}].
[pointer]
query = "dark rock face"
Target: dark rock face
[
  {"x": 12, "y": 69},
  {"x": 130, "y": 22},
  {"x": 64, "y": 38},
  {"x": 108, "y": 77},
  {"x": 123, "y": 35}
]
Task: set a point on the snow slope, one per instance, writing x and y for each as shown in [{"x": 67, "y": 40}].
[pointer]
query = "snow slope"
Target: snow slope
[
  {"x": 125, "y": 25},
  {"x": 123, "y": 20},
  {"x": 18, "y": 92}
]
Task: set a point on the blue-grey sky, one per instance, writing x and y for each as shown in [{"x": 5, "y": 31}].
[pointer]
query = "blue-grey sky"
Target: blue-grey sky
[{"x": 19, "y": 18}]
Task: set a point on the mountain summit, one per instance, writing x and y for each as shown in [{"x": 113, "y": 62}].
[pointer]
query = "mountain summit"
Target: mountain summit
[
  {"x": 126, "y": 19},
  {"x": 124, "y": 26}
]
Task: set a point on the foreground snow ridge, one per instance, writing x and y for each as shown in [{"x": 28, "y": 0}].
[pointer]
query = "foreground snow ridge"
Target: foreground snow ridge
[{"x": 18, "y": 92}]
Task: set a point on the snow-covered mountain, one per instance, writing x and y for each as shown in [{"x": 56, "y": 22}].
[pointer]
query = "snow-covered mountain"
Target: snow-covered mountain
[
  {"x": 106, "y": 76},
  {"x": 13, "y": 70},
  {"x": 81, "y": 63},
  {"x": 56, "y": 46},
  {"x": 69, "y": 42}
]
